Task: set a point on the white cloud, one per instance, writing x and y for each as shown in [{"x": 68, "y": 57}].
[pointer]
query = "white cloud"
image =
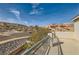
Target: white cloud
[
  {"x": 35, "y": 10},
  {"x": 16, "y": 13},
  {"x": 14, "y": 20},
  {"x": 34, "y": 5}
]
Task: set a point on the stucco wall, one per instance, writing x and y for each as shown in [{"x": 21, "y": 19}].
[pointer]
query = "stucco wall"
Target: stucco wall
[
  {"x": 71, "y": 35},
  {"x": 76, "y": 30},
  {"x": 65, "y": 35}
]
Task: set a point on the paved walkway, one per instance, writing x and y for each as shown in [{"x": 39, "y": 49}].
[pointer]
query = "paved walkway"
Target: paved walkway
[
  {"x": 53, "y": 51},
  {"x": 69, "y": 47}
]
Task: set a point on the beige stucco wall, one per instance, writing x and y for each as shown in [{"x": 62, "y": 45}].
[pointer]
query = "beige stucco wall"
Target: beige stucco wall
[
  {"x": 71, "y": 35},
  {"x": 76, "y": 30},
  {"x": 65, "y": 35}
]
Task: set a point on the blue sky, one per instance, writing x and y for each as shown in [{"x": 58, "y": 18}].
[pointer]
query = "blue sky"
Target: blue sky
[{"x": 38, "y": 14}]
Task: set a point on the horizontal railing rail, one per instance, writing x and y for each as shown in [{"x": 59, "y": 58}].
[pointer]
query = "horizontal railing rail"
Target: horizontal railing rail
[
  {"x": 43, "y": 47},
  {"x": 39, "y": 47}
]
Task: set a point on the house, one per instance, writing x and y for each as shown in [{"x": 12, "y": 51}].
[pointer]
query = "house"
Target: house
[
  {"x": 61, "y": 27},
  {"x": 76, "y": 27}
]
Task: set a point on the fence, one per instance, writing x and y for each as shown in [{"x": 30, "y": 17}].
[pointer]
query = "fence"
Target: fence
[{"x": 40, "y": 48}]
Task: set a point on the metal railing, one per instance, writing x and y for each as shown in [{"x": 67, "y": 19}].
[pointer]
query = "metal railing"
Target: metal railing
[
  {"x": 43, "y": 47},
  {"x": 40, "y": 48},
  {"x": 60, "y": 52}
]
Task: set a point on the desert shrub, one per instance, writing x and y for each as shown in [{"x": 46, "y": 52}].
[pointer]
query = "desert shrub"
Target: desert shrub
[{"x": 38, "y": 34}]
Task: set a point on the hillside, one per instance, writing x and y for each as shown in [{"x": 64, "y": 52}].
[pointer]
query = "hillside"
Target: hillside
[{"x": 12, "y": 26}]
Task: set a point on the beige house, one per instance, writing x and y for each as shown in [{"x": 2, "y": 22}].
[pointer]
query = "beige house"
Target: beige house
[
  {"x": 76, "y": 27},
  {"x": 71, "y": 34}
]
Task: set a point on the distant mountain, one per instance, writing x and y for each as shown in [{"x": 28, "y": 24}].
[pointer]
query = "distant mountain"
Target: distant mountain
[{"x": 4, "y": 26}]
